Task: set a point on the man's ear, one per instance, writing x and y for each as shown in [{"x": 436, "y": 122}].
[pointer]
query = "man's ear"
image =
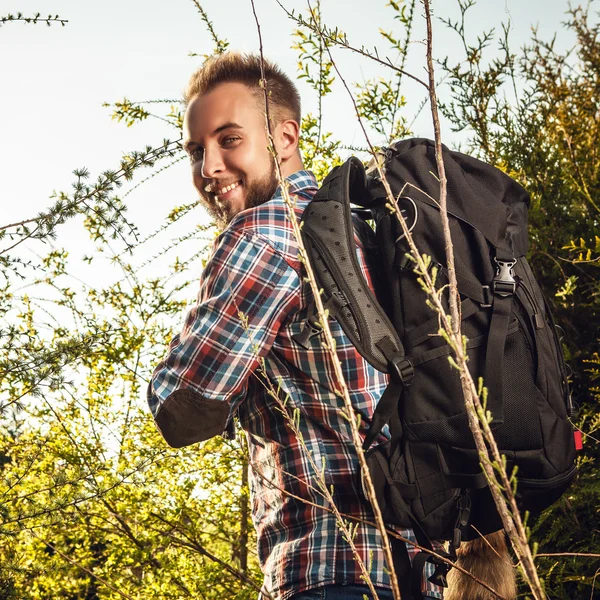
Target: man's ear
[{"x": 286, "y": 139}]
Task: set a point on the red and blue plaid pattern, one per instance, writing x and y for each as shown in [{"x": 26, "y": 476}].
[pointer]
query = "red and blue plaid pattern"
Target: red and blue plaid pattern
[{"x": 254, "y": 269}]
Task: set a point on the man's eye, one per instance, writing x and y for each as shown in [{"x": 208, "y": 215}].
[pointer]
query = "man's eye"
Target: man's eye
[
  {"x": 196, "y": 154},
  {"x": 230, "y": 140}
]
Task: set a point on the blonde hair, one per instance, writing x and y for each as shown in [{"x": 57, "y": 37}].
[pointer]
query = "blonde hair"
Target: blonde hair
[{"x": 233, "y": 67}]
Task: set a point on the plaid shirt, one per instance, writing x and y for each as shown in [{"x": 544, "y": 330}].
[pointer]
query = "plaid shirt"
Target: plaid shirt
[{"x": 212, "y": 369}]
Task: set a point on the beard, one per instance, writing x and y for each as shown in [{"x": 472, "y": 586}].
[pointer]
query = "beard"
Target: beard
[{"x": 257, "y": 192}]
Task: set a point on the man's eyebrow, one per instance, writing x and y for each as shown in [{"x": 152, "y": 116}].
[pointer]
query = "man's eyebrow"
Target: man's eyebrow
[
  {"x": 228, "y": 125},
  {"x": 189, "y": 144}
]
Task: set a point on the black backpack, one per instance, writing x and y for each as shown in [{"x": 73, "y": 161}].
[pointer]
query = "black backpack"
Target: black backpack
[{"x": 427, "y": 476}]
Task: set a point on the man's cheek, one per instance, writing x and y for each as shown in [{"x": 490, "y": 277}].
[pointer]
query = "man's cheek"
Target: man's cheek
[{"x": 199, "y": 181}]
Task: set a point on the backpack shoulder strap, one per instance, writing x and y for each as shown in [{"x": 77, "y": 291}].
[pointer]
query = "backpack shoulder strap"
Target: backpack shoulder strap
[{"x": 328, "y": 235}]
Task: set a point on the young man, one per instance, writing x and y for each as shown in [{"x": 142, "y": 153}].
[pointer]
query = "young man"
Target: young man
[{"x": 246, "y": 333}]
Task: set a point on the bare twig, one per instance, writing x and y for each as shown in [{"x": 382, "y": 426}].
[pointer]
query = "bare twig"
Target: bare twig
[
  {"x": 35, "y": 19},
  {"x": 320, "y": 90},
  {"x": 402, "y": 63},
  {"x": 329, "y": 341},
  {"x": 343, "y": 43},
  {"x": 580, "y": 554},
  {"x": 454, "y": 304},
  {"x": 507, "y": 509}
]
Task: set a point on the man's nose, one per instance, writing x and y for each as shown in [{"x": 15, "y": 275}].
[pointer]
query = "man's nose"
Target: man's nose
[{"x": 212, "y": 164}]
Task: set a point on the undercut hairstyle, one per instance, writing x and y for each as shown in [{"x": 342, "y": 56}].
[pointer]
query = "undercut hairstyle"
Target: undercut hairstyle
[{"x": 233, "y": 67}]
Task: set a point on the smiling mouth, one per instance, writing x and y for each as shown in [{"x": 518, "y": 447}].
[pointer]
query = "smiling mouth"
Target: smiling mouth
[{"x": 224, "y": 190}]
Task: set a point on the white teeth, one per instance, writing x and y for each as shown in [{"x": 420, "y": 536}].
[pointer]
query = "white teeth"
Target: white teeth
[{"x": 227, "y": 188}]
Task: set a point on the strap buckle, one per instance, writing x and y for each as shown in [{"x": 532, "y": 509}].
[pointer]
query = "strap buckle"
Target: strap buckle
[
  {"x": 441, "y": 569},
  {"x": 311, "y": 329},
  {"x": 504, "y": 283},
  {"x": 402, "y": 369}
]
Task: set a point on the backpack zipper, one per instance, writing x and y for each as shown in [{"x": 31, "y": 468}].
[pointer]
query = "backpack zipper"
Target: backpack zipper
[
  {"x": 562, "y": 366},
  {"x": 530, "y": 339},
  {"x": 558, "y": 360},
  {"x": 537, "y": 317},
  {"x": 557, "y": 354}
]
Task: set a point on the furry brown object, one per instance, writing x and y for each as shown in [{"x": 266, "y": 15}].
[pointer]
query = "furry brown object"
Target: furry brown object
[{"x": 488, "y": 560}]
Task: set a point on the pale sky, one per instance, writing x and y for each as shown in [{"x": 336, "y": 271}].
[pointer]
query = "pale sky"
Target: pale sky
[{"x": 55, "y": 79}]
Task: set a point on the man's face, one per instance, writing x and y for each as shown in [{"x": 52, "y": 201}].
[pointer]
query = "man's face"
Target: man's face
[{"x": 224, "y": 134}]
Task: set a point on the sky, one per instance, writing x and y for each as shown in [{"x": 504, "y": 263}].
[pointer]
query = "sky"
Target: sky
[{"x": 55, "y": 80}]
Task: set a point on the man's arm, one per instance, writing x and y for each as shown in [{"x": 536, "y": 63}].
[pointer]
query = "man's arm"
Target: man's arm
[{"x": 203, "y": 377}]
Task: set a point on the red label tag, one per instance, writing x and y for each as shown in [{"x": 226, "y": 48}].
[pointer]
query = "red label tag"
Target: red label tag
[{"x": 578, "y": 440}]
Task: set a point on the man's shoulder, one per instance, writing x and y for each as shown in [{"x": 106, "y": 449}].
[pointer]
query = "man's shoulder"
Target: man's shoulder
[{"x": 270, "y": 222}]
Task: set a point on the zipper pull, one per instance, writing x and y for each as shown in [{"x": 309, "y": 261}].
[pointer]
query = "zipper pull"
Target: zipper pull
[
  {"x": 538, "y": 318},
  {"x": 464, "y": 513},
  {"x": 570, "y": 407}
]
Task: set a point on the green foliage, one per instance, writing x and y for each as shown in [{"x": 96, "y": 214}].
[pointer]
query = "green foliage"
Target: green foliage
[
  {"x": 92, "y": 503},
  {"x": 104, "y": 211},
  {"x": 311, "y": 48},
  {"x": 87, "y": 485},
  {"x": 128, "y": 112},
  {"x": 221, "y": 44},
  {"x": 378, "y": 101},
  {"x": 133, "y": 112},
  {"x": 319, "y": 151}
]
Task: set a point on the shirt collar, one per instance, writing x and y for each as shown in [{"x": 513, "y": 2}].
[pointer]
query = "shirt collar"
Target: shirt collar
[{"x": 301, "y": 183}]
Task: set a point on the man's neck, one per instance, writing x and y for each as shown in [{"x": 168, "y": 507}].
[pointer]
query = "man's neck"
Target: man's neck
[{"x": 292, "y": 165}]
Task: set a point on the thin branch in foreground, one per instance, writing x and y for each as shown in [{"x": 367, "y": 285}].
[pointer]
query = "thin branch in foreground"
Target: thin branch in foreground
[
  {"x": 507, "y": 507},
  {"x": 580, "y": 554},
  {"x": 454, "y": 298},
  {"x": 329, "y": 341},
  {"x": 323, "y": 490},
  {"x": 34, "y": 20},
  {"x": 220, "y": 45},
  {"x": 456, "y": 342}
]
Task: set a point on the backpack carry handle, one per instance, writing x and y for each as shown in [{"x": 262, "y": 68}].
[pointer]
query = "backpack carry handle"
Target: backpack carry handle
[{"x": 346, "y": 183}]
